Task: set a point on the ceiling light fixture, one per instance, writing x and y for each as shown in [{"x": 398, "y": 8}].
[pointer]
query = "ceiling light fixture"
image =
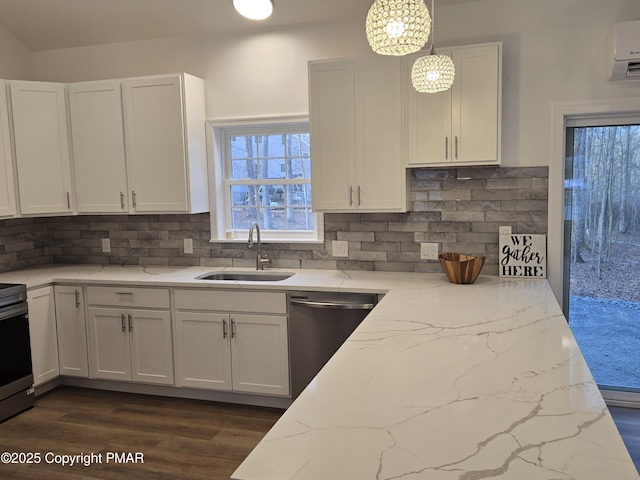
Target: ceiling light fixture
[
  {"x": 433, "y": 73},
  {"x": 254, "y": 9},
  {"x": 398, "y": 27}
]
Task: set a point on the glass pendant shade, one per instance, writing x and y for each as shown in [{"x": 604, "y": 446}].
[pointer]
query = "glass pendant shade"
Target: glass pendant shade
[
  {"x": 398, "y": 27},
  {"x": 433, "y": 73},
  {"x": 254, "y": 9}
]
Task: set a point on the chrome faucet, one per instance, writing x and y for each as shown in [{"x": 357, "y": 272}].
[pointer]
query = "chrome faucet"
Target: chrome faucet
[{"x": 260, "y": 260}]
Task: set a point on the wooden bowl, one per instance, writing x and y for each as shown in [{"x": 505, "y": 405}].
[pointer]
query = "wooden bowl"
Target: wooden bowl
[{"x": 461, "y": 268}]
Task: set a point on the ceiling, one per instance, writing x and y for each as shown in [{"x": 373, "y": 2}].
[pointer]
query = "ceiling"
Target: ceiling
[{"x": 54, "y": 24}]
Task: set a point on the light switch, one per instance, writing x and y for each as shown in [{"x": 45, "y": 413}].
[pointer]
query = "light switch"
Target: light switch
[
  {"x": 506, "y": 230},
  {"x": 428, "y": 251},
  {"x": 106, "y": 245},
  {"x": 188, "y": 245}
]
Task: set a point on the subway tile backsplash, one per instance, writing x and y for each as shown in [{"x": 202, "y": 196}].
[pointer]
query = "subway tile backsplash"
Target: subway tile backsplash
[{"x": 459, "y": 208}]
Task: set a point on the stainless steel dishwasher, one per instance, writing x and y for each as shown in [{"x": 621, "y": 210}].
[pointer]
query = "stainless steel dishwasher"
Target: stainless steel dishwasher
[{"x": 319, "y": 322}]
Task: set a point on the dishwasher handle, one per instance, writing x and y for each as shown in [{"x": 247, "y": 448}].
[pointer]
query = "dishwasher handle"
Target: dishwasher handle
[{"x": 334, "y": 305}]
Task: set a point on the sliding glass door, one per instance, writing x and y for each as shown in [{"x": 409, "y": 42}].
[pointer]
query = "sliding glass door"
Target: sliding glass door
[{"x": 602, "y": 250}]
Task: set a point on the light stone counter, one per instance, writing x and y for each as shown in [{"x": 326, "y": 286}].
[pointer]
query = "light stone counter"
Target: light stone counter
[{"x": 440, "y": 381}]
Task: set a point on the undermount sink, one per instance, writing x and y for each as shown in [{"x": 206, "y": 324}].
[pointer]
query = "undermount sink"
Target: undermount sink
[{"x": 257, "y": 276}]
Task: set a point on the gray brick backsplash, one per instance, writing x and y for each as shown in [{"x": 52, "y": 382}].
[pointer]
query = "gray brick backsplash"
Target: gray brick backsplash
[{"x": 460, "y": 209}]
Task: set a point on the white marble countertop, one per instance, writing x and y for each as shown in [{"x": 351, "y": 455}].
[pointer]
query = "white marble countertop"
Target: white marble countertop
[{"x": 440, "y": 381}]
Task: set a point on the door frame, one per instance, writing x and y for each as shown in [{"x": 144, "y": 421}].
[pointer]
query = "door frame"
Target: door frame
[{"x": 561, "y": 112}]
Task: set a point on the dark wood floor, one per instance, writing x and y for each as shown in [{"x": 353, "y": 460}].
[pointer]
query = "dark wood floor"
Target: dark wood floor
[
  {"x": 180, "y": 439},
  {"x": 628, "y": 423}
]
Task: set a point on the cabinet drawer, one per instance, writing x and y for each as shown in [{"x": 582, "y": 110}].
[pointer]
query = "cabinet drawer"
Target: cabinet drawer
[
  {"x": 126, "y": 296},
  {"x": 231, "y": 301}
]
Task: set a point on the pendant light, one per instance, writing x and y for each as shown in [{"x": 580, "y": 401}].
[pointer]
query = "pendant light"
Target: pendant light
[
  {"x": 398, "y": 27},
  {"x": 254, "y": 9},
  {"x": 433, "y": 73}
]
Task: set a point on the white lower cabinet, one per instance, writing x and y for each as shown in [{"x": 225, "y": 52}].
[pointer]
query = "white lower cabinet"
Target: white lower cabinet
[
  {"x": 130, "y": 344},
  {"x": 72, "y": 331},
  {"x": 42, "y": 332},
  {"x": 235, "y": 341}
]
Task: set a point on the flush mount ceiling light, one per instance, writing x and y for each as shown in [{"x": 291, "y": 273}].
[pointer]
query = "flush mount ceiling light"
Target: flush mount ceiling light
[
  {"x": 254, "y": 9},
  {"x": 398, "y": 27},
  {"x": 433, "y": 73}
]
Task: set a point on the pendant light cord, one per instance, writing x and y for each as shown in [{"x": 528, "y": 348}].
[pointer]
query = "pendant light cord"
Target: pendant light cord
[{"x": 433, "y": 27}]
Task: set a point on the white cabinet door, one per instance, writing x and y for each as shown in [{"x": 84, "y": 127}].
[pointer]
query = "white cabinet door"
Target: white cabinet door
[
  {"x": 203, "y": 350},
  {"x": 98, "y": 147},
  {"x": 42, "y": 147},
  {"x": 475, "y": 106},
  {"x": 155, "y": 144},
  {"x": 260, "y": 354},
  {"x": 357, "y": 142},
  {"x": 42, "y": 331},
  {"x": 109, "y": 344},
  {"x": 151, "y": 346},
  {"x": 379, "y": 117},
  {"x": 7, "y": 191},
  {"x": 72, "y": 332},
  {"x": 460, "y": 126},
  {"x": 332, "y": 124}
]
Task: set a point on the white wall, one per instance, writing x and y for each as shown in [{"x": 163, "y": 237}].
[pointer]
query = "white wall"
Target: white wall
[
  {"x": 16, "y": 60},
  {"x": 554, "y": 50}
]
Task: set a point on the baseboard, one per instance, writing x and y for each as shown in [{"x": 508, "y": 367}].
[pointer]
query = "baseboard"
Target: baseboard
[{"x": 188, "y": 393}]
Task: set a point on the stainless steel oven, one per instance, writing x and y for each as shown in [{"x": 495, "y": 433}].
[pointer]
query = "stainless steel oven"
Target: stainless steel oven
[{"x": 16, "y": 375}]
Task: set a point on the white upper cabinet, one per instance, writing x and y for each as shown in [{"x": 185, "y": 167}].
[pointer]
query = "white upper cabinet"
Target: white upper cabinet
[
  {"x": 7, "y": 192},
  {"x": 98, "y": 147},
  {"x": 164, "y": 122},
  {"x": 42, "y": 147},
  {"x": 139, "y": 145},
  {"x": 357, "y": 142},
  {"x": 460, "y": 126}
]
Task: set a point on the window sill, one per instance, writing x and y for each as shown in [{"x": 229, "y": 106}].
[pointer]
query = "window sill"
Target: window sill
[{"x": 269, "y": 240}]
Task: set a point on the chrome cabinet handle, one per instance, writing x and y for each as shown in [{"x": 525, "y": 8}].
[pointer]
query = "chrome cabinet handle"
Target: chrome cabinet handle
[
  {"x": 124, "y": 327},
  {"x": 68, "y": 201},
  {"x": 350, "y": 195},
  {"x": 124, "y": 293},
  {"x": 456, "y": 146},
  {"x": 359, "y": 195},
  {"x": 122, "y": 200},
  {"x": 130, "y": 323},
  {"x": 233, "y": 329},
  {"x": 224, "y": 328},
  {"x": 446, "y": 148},
  {"x": 77, "y": 299},
  {"x": 133, "y": 198}
]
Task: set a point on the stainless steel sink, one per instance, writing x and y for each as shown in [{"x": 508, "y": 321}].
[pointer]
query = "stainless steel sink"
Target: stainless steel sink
[{"x": 254, "y": 276}]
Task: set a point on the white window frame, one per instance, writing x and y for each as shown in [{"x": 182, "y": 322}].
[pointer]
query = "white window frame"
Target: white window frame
[{"x": 218, "y": 132}]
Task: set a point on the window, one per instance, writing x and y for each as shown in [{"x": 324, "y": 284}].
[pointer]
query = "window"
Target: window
[{"x": 266, "y": 178}]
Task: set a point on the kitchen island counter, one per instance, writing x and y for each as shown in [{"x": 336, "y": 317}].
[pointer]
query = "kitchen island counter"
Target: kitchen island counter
[
  {"x": 440, "y": 381},
  {"x": 460, "y": 382}
]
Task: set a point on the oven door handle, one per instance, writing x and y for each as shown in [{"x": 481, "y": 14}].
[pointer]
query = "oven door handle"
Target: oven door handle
[{"x": 13, "y": 311}]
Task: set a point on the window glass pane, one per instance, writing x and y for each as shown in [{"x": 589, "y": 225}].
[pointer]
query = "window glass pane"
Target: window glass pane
[
  {"x": 298, "y": 145},
  {"x": 243, "y": 217},
  {"x": 243, "y": 169},
  {"x": 272, "y": 168},
  {"x": 299, "y": 168},
  {"x": 243, "y": 147},
  {"x": 270, "y": 146}
]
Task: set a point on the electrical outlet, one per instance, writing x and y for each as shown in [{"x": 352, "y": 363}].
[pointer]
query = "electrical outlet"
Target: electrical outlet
[
  {"x": 340, "y": 248},
  {"x": 106, "y": 245},
  {"x": 428, "y": 251},
  {"x": 506, "y": 230},
  {"x": 188, "y": 245}
]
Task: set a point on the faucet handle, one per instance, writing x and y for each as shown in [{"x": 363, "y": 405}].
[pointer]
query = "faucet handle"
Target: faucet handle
[{"x": 263, "y": 260}]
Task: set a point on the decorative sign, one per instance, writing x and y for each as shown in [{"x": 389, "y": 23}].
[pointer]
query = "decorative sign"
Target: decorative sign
[{"x": 523, "y": 256}]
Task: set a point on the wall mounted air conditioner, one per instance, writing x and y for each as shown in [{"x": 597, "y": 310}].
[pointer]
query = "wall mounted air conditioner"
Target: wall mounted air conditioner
[{"x": 625, "y": 40}]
